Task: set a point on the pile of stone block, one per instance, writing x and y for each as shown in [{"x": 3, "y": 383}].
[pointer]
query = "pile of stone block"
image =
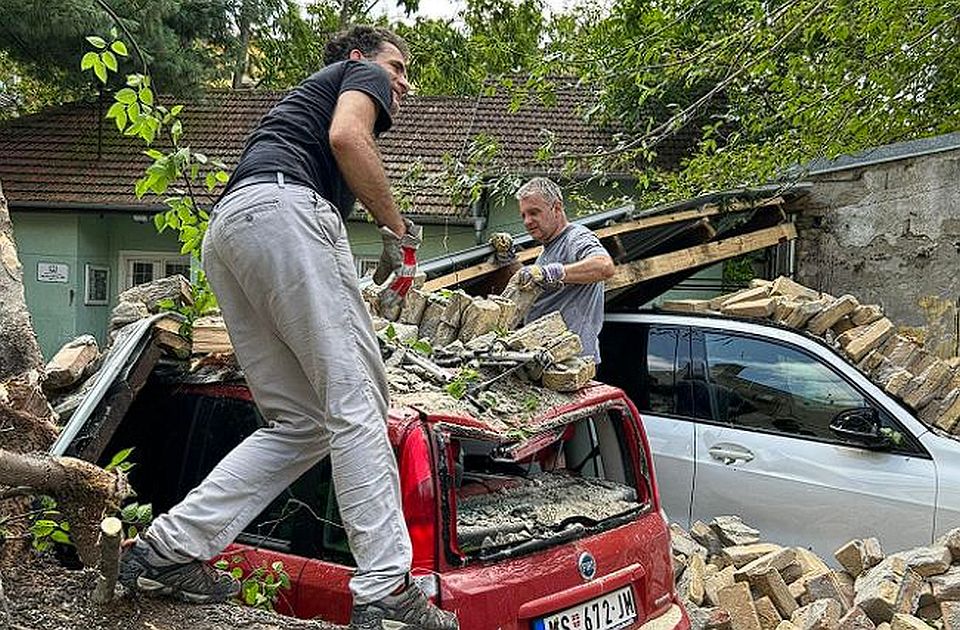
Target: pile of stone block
[
  {"x": 928, "y": 385},
  {"x": 146, "y": 299},
  {"x": 730, "y": 580},
  {"x": 454, "y": 323}
]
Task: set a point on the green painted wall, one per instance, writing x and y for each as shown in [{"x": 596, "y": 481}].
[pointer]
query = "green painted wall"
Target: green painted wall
[
  {"x": 58, "y": 310},
  {"x": 50, "y": 238}
]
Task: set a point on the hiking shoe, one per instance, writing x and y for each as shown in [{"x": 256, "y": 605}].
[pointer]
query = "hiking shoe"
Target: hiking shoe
[
  {"x": 195, "y": 582},
  {"x": 409, "y": 609}
]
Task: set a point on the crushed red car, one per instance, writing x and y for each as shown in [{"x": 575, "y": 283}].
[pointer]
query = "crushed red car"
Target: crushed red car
[{"x": 551, "y": 523}]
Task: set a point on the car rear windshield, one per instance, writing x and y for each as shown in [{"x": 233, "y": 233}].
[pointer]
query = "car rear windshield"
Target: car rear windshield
[{"x": 583, "y": 478}]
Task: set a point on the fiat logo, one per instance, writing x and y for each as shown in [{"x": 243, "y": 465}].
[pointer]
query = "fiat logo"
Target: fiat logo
[{"x": 587, "y": 566}]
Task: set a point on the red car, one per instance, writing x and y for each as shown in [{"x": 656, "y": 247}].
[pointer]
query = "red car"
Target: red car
[{"x": 519, "y": 521}]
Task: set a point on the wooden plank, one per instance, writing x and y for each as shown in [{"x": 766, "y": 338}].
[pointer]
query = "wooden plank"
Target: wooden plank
[
  {"x": 481, "y": 269},
  {"x": 641, "y": 270},
  {"x": 469, "y": 273}
]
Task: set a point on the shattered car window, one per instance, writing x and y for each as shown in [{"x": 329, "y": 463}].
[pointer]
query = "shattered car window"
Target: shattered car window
[{"x": 581, "y": 482}]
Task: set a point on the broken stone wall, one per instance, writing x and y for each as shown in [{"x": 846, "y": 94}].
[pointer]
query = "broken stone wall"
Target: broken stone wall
[{"x": 891, "y": 233}]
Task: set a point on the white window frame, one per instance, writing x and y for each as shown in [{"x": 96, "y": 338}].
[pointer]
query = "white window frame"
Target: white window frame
[
  {"x": 128, "y": 257},
  {"x": 89, "y": 283}
]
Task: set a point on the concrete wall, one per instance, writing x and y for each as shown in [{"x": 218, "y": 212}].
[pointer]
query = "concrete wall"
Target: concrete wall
[{"x": 890, "y": 235}]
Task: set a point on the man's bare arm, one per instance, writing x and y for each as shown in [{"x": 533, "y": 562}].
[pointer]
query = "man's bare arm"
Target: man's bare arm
[
  {"x": 592, "y": 269},
  {"x": 357, "y": 155}
]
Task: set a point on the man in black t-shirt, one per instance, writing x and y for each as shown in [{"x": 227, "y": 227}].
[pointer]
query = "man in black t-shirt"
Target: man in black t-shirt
[{"x": 277, "y": 256}]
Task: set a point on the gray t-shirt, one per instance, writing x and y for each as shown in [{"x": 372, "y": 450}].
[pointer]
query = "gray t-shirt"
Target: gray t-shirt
[{"x": 581, "y": 305}]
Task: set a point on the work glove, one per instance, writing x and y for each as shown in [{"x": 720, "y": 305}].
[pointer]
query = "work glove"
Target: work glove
[
  {"x": 391, "y": 298},
  {"x": 394, "y": 248},
  {"x": 547, "y": 276}
]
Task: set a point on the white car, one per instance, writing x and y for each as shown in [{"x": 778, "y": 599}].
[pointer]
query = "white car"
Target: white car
[{"x": 773, "y": 425}]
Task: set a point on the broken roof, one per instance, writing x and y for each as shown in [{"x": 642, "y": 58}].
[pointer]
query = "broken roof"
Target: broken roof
[{"x": 70, "y": 157}]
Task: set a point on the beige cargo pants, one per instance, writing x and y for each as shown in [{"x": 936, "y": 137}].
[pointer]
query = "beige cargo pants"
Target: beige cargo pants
[{"x": 278, "y": 259}]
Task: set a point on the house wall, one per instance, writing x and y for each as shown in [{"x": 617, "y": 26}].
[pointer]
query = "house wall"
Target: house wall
[
  {"x": 49, "y": 238},
  {"x": 58, "y": 310},
  {"x": 889, "y": 234}
]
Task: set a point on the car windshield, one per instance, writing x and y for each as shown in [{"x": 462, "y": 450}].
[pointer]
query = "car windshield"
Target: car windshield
[{"x": 578, "y": 479}]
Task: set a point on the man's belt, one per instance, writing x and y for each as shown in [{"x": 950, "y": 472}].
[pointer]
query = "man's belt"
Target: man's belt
[{"x": 277, "y": 178}]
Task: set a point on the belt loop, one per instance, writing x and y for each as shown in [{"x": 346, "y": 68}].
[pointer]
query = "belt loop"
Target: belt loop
[{"x": 280, "y": 179}]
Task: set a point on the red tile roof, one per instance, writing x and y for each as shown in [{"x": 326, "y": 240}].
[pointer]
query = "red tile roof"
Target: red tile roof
[{"x": 56, "y": 158}]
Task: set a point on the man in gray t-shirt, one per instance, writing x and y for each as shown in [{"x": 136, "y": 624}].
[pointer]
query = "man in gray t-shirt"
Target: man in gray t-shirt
[{"x": 572, "y": 267}]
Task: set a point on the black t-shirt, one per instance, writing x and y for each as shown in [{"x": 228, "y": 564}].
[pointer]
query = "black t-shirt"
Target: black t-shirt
[{"x": 292, "y": 138}]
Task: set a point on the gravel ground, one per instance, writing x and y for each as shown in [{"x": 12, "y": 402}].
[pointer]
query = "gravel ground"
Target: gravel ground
[{"x": 42, "y": 595}]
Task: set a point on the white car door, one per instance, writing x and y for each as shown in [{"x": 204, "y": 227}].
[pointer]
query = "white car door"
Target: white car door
[
  {"x": 642, "y": 360},
  {"x": 770, "y": 457}
]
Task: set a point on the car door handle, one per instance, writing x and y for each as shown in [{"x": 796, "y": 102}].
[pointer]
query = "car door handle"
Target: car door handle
[{"x": 729, "y": 453}]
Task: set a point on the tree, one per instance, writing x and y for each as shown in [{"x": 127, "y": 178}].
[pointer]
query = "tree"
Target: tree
[
  {"x": 185, "y": 42},
  {"x": 768, "y": 86}
]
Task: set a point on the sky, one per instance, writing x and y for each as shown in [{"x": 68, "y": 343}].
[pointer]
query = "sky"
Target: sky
[{"x": 445, "y": 9}]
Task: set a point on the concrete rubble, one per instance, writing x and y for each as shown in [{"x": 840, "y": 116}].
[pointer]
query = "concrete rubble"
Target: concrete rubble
[
  {"x": 895, "y": 362},
  {"x": 538, "y": 507},
  {"x": 765, "y": 586}
]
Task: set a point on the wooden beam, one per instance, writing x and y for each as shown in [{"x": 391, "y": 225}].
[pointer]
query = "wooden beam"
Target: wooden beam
[
  {"x": 639, "y": 271},
  {"x": 706, "y": 210},
  {"x": 476, "y": 271}
]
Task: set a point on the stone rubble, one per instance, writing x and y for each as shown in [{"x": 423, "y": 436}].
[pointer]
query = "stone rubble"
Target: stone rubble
[
  {"x": 926, "y": 384},
  {"x": 759, "y": 584}
]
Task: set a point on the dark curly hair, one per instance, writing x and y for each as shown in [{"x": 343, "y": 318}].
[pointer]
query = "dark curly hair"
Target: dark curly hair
[{"x": 366, "y": 39}]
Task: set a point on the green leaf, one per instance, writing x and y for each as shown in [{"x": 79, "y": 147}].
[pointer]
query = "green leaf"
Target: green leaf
[
  {"x": 60, "y": 537},
  {"x": 236, "y": 572},
  {"x": 129, "y": 513},
  {"x": 97, "y": 42},
  {"x": 221, "y": 564},
  {"x": 119, "y": 458},
  {"x": 100, "y": 70},
  {"x": 156, "y": 155},
  {"x": 250, "y": 592},
  {"x": 176, "y": 109},
  {"x": 391, "y": 332},
  {"x": 210, "y": 181},
  {"x": 134, "y": 80},
  {"x": 159, "y": 221},
  {"x": 176, "y": 130},
  {"x": 88, "y": 60},
  {"x": 119, "y": 47},
  {"x": 126, "y": 96},
  {"x": 141, "y": 187},
  {"x": 146, "y": 95},
  {"x": 145, "y": 513},
  {"x": 109, "y": 60},
  {"x": 222, "y": 177}
]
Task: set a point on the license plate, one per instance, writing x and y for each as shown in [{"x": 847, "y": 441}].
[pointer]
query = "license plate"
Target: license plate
[{"x": 607, "y": 612}]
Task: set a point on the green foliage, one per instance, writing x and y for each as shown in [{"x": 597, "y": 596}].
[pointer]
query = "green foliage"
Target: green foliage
[
  {"x": 187, "y": 43},
  {"x": 457, "y": 388},
  {"x": 135, "y": 517},
  {"x": 120, "y": 461},
  {"x": 49, "y": 527},
  {"x": 737, "y": 272},
  {"x": 179, "y": 171},
  {"x": 203, "y": 301},
  {"x": 260, "y": 587},
  {"x": 765, "y": 87}
]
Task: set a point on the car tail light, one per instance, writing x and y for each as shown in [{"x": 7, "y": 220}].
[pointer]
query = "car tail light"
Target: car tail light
[{"x": 419, "y": 498}]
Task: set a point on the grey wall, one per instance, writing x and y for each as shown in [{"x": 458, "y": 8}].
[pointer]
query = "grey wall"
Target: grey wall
[{"x": 889, "y": 234}]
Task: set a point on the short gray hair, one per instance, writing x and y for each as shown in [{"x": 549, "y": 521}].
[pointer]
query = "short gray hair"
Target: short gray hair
[{"x": 543, "y": 187}]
